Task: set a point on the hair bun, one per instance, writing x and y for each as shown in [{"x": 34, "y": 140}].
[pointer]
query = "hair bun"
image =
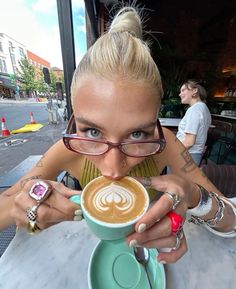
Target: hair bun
[{"x": 127, "y": 20}]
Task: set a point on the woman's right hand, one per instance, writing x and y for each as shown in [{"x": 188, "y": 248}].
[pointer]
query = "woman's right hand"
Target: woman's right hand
[
  {"x": 154, "y": 229},
  {"x": 54, "y": 209}
]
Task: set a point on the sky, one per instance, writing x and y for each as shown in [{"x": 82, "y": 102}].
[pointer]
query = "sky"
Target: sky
[{"x": 34, "y": 23}]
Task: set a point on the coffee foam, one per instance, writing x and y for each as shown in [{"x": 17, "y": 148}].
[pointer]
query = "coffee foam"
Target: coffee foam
[{"x": 115, "y": 201}]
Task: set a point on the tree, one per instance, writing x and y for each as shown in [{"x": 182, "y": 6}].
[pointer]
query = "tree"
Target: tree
[{"x": 27, "y": 77}]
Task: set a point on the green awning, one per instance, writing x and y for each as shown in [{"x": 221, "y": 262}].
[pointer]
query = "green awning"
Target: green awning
[{"x": 6, "y": 81}]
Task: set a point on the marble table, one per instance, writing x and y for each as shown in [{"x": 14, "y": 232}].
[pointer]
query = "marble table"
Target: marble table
[
  {"x": 170, "y": 122},
  {"x": 58, "y": 258}
]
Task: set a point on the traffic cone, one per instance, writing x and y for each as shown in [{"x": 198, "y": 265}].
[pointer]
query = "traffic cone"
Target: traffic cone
[
  {"x": 32, "y": 120},
  {"x": 5, "y": 131}
]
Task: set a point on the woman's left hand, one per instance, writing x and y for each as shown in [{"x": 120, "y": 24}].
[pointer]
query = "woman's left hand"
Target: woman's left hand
[{"x": 154, "y": 229}]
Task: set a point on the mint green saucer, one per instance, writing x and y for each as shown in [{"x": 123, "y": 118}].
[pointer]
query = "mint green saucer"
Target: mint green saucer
[{"x": 113, "y": 265}]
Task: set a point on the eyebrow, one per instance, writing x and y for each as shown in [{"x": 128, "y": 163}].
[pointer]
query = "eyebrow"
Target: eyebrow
[{"x": 85, "y": 121}]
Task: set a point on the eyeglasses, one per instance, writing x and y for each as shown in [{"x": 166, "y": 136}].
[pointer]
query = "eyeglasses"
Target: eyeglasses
[{"x": 87, "y": 146}]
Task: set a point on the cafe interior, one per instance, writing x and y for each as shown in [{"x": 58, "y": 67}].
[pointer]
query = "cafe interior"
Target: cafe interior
[{"x": 189, "y": 40}]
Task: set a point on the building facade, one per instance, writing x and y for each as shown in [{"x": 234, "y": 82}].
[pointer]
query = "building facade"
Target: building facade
[{"x": 11, "y": 52}]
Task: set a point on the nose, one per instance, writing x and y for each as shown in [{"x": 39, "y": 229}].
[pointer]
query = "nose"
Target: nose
[{"x": 114, "y": 164}]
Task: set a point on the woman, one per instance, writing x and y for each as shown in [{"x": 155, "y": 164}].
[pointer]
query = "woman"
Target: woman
[
  {"x": 116, "y": 92},
  {"x": 193, "y": 128}
]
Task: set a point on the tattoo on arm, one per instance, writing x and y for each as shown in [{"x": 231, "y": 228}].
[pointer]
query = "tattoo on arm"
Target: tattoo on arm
[
  {"x": 24, "y": 181},
  {"x": 189, "y": 163}
]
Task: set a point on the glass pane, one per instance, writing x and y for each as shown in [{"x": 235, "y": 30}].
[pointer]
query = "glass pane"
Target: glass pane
[
  {"x": 88, "y": 146},
  {"x": 141, "y": 149}
]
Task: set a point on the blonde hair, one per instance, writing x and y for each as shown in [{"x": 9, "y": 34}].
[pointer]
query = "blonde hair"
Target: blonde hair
[{"x": 121, "y": 53}]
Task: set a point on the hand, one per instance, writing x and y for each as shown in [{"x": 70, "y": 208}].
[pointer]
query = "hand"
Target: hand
[
  {"x": 54, "y": 209},
  {"x": 154, "y": 230}
]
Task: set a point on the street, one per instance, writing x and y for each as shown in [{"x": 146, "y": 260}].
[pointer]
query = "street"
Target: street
[{"x": 32, "y": 143}]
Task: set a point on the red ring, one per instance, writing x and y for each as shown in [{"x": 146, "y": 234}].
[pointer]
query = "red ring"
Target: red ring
[{"x": 176, "y": 221}]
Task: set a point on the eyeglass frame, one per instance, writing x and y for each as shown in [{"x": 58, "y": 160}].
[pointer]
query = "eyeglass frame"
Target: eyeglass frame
[{"x": 67, "y": 137}]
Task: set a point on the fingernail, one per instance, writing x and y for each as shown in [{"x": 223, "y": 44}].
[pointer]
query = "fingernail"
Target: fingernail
[
  {"x": 133, "y": 243},
  {"x": 142, "y": 228},
  {"x": 78, "y": 212},
  {"x": 162, "y": 262},
  {"x": 78, "y": 218}
]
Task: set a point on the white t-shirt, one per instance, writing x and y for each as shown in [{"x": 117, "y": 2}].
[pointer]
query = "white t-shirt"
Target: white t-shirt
[{"x": 196, "y": 120}]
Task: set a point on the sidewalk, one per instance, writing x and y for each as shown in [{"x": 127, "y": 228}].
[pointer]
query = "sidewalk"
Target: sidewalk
[{"x": 28, "y": 100}]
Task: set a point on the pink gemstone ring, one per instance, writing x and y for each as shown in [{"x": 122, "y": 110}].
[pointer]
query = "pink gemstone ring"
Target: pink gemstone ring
[{"x": 40, "y": 191}]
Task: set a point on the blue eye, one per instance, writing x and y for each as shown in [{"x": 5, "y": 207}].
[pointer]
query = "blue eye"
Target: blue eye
[
  {"x": 138, "y": 135},
  {"x": 93, "y": 133}
]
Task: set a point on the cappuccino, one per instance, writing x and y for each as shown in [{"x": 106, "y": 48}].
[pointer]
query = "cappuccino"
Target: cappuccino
[{"x": 115, "y": 201}]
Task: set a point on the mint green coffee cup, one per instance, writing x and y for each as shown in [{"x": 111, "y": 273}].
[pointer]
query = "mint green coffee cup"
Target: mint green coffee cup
[{"x": 111, "y": 208}]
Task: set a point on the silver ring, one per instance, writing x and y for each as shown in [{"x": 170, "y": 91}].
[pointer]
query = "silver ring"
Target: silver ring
[
  {"x": 179, "y": 236},
  {"x": 175, "y": 198},
  {"x": 32, "y": 213},
  {"x": 147, "y": 182}
]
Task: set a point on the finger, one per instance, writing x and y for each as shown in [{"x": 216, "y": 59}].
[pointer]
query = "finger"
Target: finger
[
  {"x": 59, "y": 187},
  {"x": 62, "y": 189},
  {"x": 155, "y": 213},
  {"x": 61, "y": 203},
  {"x": 166, "y": 242},
  {"x": 48, "y": 216},
  {"x": 174, "y": 255},
  {"x": 159, "y": 230}
]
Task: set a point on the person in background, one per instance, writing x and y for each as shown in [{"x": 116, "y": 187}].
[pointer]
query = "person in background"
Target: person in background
[
  {"x": 116, "y": 93},
  {"x": 193, "y": 128}
]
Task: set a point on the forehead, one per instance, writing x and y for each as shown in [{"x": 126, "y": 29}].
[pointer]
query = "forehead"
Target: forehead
[{"x": 109, "y": 99}]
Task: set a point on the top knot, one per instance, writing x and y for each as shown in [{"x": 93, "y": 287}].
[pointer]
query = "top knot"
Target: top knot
[{"x": 127, "y": 20}]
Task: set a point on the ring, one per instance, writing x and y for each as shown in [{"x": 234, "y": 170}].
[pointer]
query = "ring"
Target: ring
[
  {"x": 40, "y": 191},
  {"x": 179, "y": 236},
  {"x": 32, "y": 228},
  {"x": 32, "y": 213},
  {"x": 175, "y": 198},
  {"x": 176, "y": 222},
  {"x": 147, "y": 182}
]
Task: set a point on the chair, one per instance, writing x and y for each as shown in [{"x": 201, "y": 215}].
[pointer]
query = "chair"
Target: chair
[
  {"x": 223, "y": 177},
  {"x": 212, "y": 138},
  {"x": 223, "y": 129},
  {"x": 230, "y": 148}
]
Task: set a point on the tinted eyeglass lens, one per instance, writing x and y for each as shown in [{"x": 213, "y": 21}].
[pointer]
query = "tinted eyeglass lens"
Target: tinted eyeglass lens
[
  {"x": 143, "y": 149},
  {"x": 89, "y": 147}
]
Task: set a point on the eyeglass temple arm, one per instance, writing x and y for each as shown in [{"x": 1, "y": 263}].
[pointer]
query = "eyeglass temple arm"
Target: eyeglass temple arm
[{"x": 70, "y": 125}]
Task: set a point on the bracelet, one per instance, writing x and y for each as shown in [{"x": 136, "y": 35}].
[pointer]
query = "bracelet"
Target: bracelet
[
  {"x": 225, "y": 234},
  {"x": 218, "y": 216},
  {"x": 205, "y": 204}
]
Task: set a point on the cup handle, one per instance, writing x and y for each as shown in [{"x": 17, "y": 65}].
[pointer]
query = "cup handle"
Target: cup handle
[{"x": 76, "y": 199}]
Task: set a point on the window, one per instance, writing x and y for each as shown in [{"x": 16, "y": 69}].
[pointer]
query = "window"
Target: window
[
  {"x": 21, "y": 52},
  {"x": 3, "y": 67},
  {"x": 13, "y": 59},
  {"x": 11, "y": 47}
]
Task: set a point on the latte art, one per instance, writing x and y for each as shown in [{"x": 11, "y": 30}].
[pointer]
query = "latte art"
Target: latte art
[
  {"x": 114, "y": 198},
  {"x": 115, "y": 201}
]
